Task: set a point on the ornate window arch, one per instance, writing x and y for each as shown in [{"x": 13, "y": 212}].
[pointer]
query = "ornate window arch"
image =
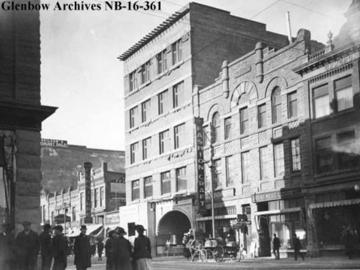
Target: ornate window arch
[
  {"x": 245, "y": 92},
  {"x": 215, "y": 127}
]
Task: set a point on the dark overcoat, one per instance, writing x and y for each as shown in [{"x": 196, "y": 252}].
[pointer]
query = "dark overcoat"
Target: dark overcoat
[
  {"x": 82, "y": 251},
  {"x": 121, "y": 254},
  {"x": 60, "y": 249},
  {"x": 27, "y": 249}
]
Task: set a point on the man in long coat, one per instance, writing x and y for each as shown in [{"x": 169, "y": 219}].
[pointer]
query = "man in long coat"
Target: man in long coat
[
  {"x": 82, "y": 250},
  {"x": 27, "y": 247},
  {"x": 7, "y": 248},
  {"x": 46, "y": 247},
  {"x": 121, "y": 251},
  {"x": 60, "y": 249}
]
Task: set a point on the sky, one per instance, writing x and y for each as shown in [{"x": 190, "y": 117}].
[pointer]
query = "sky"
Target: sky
[{"x": 81, "y": 75}]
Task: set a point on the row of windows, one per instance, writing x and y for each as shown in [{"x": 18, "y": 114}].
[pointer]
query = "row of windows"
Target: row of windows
[
  {"x": 341, "y": 93},
  {"x": 97, "y": 198},
  {"x": 164, "y": 60},
  {"x": 264, "y": 164},
  {"x": 164, "y": 143},
  {"x": 292, "y": 102},
  {"x": 165, "y": 182},
  {"x": 336, "y": 152},
  {"x": 177, "y": 95}
]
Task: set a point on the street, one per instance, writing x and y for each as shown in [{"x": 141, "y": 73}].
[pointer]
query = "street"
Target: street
[{"x": 178, "y": 263}]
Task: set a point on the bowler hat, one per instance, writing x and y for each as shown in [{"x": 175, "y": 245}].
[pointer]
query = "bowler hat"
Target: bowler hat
[{"x": 139, "y": 228}]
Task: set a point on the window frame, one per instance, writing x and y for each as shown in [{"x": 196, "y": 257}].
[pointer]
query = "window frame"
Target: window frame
[
  {"x": 145, "y": 148},
  {"x": 295, "y": 157},
  {"x": 137, "y": 190},
  {"x": 145, "y": 106},
  {"x": 291, "y": 99},
  {"x": 161, "y": 102},
  {"x": 261, "y": 115},
  {"x": 276, "y": 105},
  {"x": 279, "y": 169},
  {"x": 179, "y": 180},
  {"x": 227, "y": 128},
  {"x": 319, "y": 96},
  {"x": 133, "y": 149},
  {"x": 132, "y": 113},
  {"x": 162, "y": 140},
  {"x": 167, "y": 182},
  {"x": 147, "y": 185}
]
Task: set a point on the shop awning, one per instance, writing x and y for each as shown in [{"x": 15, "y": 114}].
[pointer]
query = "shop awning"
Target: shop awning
[
  {"x": 257, "y": 215},
  {"x": 334, "y": 203},
  {"x": 93, "y": 229}
]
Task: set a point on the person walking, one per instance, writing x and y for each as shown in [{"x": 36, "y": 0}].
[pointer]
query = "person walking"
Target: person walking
[
  {"x": 297, "y": 248},
  {"x": 100, "y": 248},
  {"x": 109, "y": 250},
  {"x": 121, "y": 248},
  {"x": 27, "y": 247},
  {"x": 82, "y": 250},
  {"x": 46, "y": 247},
  {"x": 60, "y": 249},
  {"x": 276, "y": 247},
  {"x": 7, "y": 251},
  {"x": 142, "y": 250}
]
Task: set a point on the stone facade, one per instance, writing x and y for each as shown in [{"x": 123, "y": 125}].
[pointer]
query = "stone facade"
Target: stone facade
[
  {"x": 159, "y": 107},
  {"x": 21, "y": 114}
]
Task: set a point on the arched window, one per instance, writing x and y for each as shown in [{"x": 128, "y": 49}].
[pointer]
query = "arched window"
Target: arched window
[
  {"x": 276, "y": 105},
  {"x": 215, "y": 127}
]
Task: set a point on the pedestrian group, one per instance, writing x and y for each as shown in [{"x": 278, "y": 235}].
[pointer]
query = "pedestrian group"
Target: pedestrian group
[{"x": 21, "y": 252}]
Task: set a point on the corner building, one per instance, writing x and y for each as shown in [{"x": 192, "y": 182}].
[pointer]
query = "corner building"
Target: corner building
[
  {"x": 162, "y": 70},
  {"x": 254, "y": 120}
]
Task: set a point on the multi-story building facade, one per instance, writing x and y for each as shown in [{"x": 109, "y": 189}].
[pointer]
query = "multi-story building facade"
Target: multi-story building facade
[
  {"x": 255, "y": 140},
  {"x": 161, "y": 72},
  {"x": 331, "y": 79},
  {"x": 68, "y": 206},
  {"x": 21, "y": 116}
]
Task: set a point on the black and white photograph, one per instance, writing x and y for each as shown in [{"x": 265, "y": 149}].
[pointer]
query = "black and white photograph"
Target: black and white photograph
[{"x": 179, "y": 135}]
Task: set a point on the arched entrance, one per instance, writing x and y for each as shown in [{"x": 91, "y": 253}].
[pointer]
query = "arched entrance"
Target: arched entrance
[{"x": 172, "y": 227}]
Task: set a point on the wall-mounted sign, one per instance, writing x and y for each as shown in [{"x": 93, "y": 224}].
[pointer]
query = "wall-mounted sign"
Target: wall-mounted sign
[
  {"x": 88, "y": 166},
  {"x": 52, "y": 142},
  {"x": 200, "y": 163}
]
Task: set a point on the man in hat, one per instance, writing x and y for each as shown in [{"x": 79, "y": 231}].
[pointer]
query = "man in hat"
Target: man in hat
[
  {"x": 7, "y": 242},
  {"x": 142, "y": 250},
  {"x": 121, "y": 248},
  {"x": 27, "y": 247},
  {"x": 60, "y": 249},
  {"x": 45, "y": 247},
  {"x": 82, "y": 250}
]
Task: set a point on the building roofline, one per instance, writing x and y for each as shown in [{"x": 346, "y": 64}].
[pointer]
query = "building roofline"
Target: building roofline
[{"x": 155, "y": 32}]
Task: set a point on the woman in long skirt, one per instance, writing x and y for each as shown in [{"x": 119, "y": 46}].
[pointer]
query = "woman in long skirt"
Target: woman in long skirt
[{"x": 142, "y": 250}]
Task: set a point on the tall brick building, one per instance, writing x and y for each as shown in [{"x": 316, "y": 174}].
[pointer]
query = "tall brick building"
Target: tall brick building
[
  {"x": 21, "y": 115},
  {"x": 161, "y": 72}
]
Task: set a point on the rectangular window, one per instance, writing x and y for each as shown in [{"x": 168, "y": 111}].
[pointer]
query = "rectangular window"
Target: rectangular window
[
  {"x": 81, "y": 201},
  {"x": 295, "y": 155},
  {"x": 181, "y": 180},
  {"x": 132, "y": 117},
  {"x": 292, "y": 105},
  {"x": 217, "y": 174},
  {"x": 227, "y": 128},
  {"x": 263, "y": 154},
  {"x": 165, "y": 182},
  {"x": 230, "y": 164},
  {"x": 145, "y": 109},
  {"x": 163, "y": 141},
  {"x": 279, "y": 160},
  {"x": 132, "y": 81},
  {"x": 324, "y": 155},
  {"x": 176, "y": 51},
  {"x": 261, "y": 115},
  {"x": 135, "y": 190},
  {"x": 344, "y": 93},
  {"x": 178, "y": 135},
  {"x": 148, "y": 187},
  {"x": 133, "y": 149},
  {"x": 321, "y": 101},
  {"x": 95, "y": 197},
  {"x": 145, "y": 147},
  {"x": 178, "y": 92},
  {"x": 161, "y": 62},
  {"x": 161, "y": 102},
  {"x": 245, "y": 167},
  {"x": 145, "y": 72},
  {"x": 102, "y": 197},
  {"x": 244, "y": 120},
  {"x": 73, "y": 214},
  {"x": 347, "y": 158}
]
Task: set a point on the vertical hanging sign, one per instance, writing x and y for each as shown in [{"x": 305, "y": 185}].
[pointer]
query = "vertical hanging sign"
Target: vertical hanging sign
[
  {"x": 200, "y": 163},
  {"x": 88, "y": 166}
]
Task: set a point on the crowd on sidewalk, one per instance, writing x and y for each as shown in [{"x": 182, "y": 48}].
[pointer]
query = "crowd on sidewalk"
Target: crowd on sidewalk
[{"x": 21, "y": 252}]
